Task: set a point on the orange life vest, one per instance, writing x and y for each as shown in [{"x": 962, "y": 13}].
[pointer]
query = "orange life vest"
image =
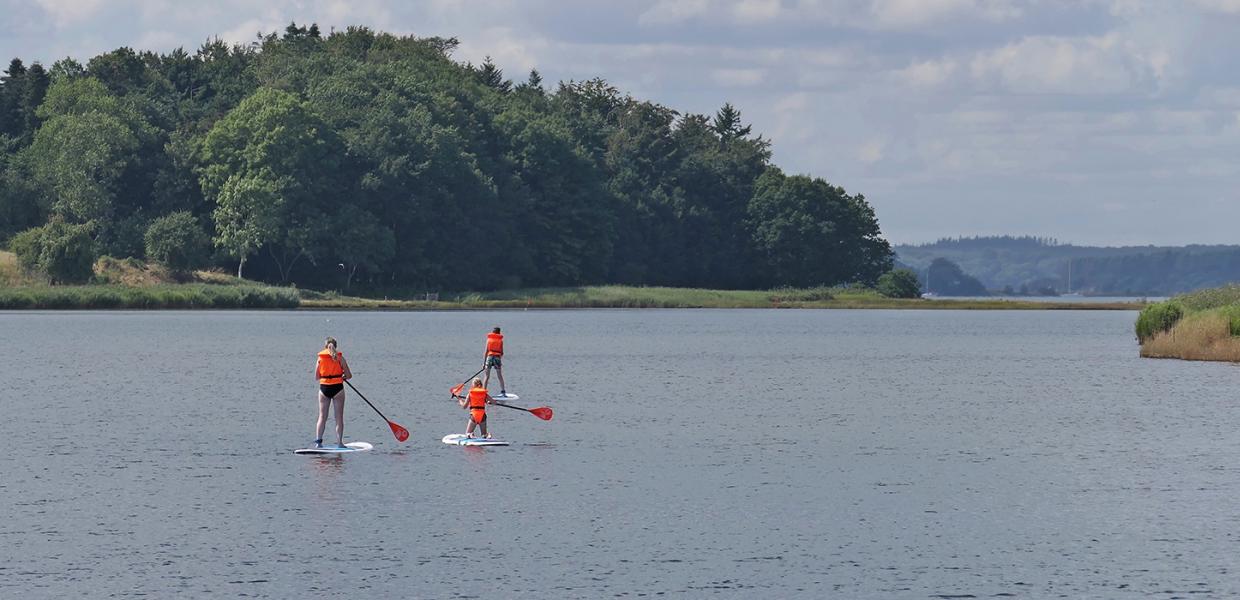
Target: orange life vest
[
  {"x": 495, "y": 344},
  {"x": 330, "y": 371},
  {"x": 477, "y": 398}
]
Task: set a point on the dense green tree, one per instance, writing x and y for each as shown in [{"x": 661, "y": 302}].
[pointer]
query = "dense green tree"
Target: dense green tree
[
  {"x": 178, "y": 242},
  {"x": 813, "y": 233},
  {"x": 37, "y": 82},
  {"x": 361, "y": 158},
  {"x": 947, "y": 279},
  {"x": 81, "y": 151},
  {"x": 63, "y": 252},
  {"x": 268, "y": 166},
  {"x": 493, "y": 77},
  {"x": 12, "y": 90},
  {"x": 899, "y": 283}
]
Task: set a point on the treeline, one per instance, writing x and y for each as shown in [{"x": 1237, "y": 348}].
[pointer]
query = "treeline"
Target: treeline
[
  {"x": 1161, "y": 273},
  {"x": 363, "y": 158},
  {"x": 992, "y": 241},
  {"x": 1042, "y": 266}
]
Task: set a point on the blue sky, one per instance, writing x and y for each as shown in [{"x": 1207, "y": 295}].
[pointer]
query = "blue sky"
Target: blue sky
[{"x": 1096, "y": 121}]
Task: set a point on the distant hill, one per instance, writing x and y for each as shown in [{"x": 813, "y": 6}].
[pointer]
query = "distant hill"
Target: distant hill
[{"x": 1041, "y": 265}]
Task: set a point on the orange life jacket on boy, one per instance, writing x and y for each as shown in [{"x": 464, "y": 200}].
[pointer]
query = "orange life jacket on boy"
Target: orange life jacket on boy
[
  {"x": 495, "y": 344},
  {"x": 330, "y": 371}
]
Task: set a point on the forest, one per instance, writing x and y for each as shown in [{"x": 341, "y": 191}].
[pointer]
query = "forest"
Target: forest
[
  {"x": 1044, "y": 266},
  {"x": 364, "y": 160}
]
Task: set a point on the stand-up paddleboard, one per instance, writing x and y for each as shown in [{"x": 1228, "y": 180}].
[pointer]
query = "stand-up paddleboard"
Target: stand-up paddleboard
[
  {"x": 459, "y": 439},
  {"x": 506, "y": 397},
  {"x": 349, "y": 447}
]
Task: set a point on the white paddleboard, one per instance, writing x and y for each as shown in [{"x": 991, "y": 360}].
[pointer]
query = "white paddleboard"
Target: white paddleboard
[
  {"x": 349, "y": 447},
  {"x": 459, "y": 439},
  {"x": 506, "y": 397}
]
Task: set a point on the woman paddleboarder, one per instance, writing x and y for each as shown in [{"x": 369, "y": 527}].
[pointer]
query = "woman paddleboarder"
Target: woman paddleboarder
[{"x": 331, "y": 371}]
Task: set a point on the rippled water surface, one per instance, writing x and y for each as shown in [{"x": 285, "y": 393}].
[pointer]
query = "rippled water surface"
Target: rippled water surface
[{"x": 746, "y": 454}]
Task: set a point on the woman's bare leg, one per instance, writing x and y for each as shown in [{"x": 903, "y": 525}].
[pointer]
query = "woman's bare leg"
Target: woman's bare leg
[
  {"x": 338, "y": 402},
  {"x": 324, "y": 403},
  {"x": 499, "y": 372}
]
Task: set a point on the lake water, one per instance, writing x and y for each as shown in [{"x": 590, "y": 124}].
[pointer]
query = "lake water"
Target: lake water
[{"x": 694, "y": 453}]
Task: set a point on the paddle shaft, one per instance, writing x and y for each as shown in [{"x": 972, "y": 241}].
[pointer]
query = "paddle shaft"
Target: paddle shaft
[
  {"x": 367, "y": 401},
  {"x": 510, "y": 406}
]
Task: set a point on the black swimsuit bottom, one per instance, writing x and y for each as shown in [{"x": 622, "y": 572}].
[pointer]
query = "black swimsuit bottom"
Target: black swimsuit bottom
[{"x": 330, "y": 389}]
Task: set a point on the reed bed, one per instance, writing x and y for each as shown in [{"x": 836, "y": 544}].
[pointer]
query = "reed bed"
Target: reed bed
[{"x": 1208, "y": 335}]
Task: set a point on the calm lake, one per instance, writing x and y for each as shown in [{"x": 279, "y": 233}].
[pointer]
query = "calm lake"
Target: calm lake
[{"x": 693, "y": 453}]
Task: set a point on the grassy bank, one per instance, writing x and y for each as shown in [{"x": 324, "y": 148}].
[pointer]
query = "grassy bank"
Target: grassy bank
[
  {"x": 123, "y": 284},
  {"x": 1202, "y": 325},
  {"x": 189, "y": 295},
  {"x": 615, "y": 296},
  {"x": 132, "y": 284}
]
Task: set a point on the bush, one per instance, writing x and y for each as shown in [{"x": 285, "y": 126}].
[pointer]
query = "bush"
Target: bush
[
  {"x": 178, "y": 242},
  {"x": 899, "y": 283},
  {"x": 1157, "y": 318},
  {"x": 64, "y": 253}
]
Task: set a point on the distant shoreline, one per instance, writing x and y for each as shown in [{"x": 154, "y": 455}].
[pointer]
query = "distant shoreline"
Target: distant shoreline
[{"x": 209, "y": 296}]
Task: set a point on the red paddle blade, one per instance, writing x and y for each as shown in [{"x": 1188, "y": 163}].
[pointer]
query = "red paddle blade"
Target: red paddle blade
[
  {"x": 457, "y": 389},
  {"x": 542, "y": 412},
  {"x": 401, "y": 433}
]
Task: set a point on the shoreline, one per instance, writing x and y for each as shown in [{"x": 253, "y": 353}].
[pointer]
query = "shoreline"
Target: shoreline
[
  {"x": 251, "y": 295},
  {"x": 884, "y": 304}
]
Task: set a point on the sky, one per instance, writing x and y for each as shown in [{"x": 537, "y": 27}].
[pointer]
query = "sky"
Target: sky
[{"x": 1106, "y": 122}]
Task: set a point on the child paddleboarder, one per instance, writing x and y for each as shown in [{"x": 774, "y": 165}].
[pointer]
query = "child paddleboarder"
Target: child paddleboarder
[
  {"x": 476, "y": 403},
  {"x": 494, "y": 357},
  {"x": 331, "y": 371}
]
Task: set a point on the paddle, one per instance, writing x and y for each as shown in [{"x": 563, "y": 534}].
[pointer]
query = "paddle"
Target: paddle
[
  {"x": 456, "y": 391},
  {"x": 401, "y": 433},
  {"x": 542, "y": 412}
]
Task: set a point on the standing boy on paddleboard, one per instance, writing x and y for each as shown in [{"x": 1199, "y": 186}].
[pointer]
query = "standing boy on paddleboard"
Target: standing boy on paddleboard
[
  {"x": 331, "y": 371},
  {"x": 494, "y": 357},
  {"x": 476, "y": 403}
]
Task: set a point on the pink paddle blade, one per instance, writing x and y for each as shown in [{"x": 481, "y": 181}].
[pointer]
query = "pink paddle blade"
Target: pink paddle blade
[
  {"x": 542, "y": 412},
  {"x": 401, "y": 433}
]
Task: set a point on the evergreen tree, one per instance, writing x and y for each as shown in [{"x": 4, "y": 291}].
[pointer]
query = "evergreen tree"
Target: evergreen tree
[{"x": 492, "y": 77}]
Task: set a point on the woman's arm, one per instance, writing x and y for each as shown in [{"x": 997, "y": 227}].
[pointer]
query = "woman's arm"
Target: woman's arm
[{"x": 344, "y": 366}]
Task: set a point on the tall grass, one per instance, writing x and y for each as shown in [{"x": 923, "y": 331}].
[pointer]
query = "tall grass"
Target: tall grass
[
  {"x": 1210, "y": 298},
  {"x": 156, "y": 296},
  {"x": 1157, "y": 318},
  {"x": 1201, "y": 325},
  {"x": 1207, "y": 335}
]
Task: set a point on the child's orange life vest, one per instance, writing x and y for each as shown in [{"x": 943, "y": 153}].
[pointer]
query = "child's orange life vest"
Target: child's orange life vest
[{"x": 477, "y": 398}]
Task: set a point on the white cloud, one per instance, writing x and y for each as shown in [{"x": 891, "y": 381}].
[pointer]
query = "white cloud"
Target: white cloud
[
  {"x": 927, "y": 73},
  {"x": 738, "y": 77},
  {"x": 513, "y": 51},
  {"x": 1223, "y": 6},
  {"x": 65, "y": 12},
  {"x": 670, "y": 12},
  {"x": 871, "y": 151},
  {"x": 912, "y": 13},
  {"x": 756, "y": 10},
  {"x": 1088, "y": 65}
]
